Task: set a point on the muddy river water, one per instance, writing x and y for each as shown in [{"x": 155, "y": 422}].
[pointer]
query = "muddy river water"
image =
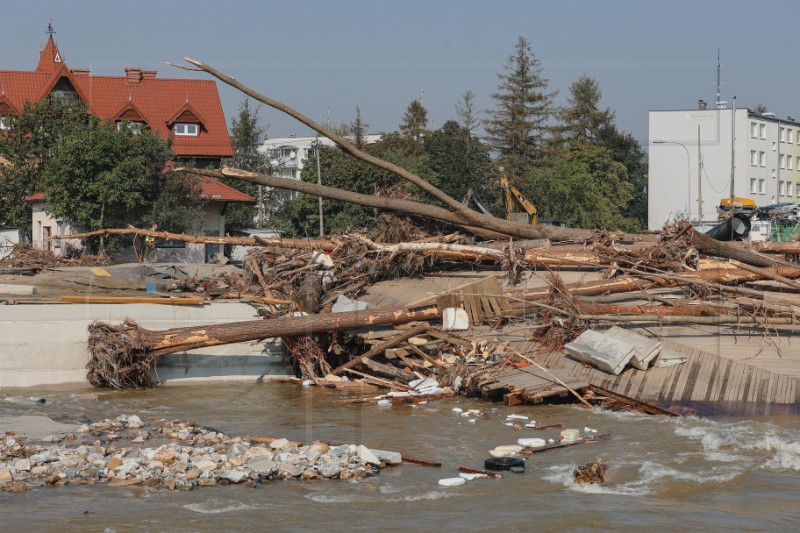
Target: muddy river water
[{"x": 665, "y": 473}]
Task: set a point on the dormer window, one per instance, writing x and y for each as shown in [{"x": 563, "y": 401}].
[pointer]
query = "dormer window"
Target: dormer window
[
  {"x": 133, "y": 126},
  {"x": 186, "y": 129}
]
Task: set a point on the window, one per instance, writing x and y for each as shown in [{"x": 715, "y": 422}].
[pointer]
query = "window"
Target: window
[
  {"x": 781, "y": 187},
  {"x": 781, "y": 160},
  {"x": 4, "y": 122},
  {"x": 753, "y": 158},
  {"x": 781, "y": 133},
  {"x": 762, "y": 131},
  {"x": 788, "y": 162},
  {"x": 762, "y": 159},
  {"x": 789, "y": 132},
  {"x": 133, "y": 127},
  {"x": 761, "y": 186},
  {"x": 753, "y": 183},
  {"x": 186, "y": 129},
  {"x": 753, "y": 130}
]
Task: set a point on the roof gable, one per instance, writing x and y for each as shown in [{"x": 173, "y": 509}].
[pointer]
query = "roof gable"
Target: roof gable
[
  {"x": 129, "y": 112},
  {"x": 185, "y": 114},
  {"x": 159, "y": 102}
]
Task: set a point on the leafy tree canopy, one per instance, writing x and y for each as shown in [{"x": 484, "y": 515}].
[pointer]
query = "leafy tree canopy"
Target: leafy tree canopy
[
  {"x": 247, "y": 136},
  {"x": 104, "y": 176},
  {"x": 582, "y": 186},
  {"x": 28, "y": 144},
  {"x": 461, "y": 162}
]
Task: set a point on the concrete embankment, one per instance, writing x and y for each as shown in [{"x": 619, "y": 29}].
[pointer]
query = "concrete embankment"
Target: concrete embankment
[{"x": 42, "y": 345}]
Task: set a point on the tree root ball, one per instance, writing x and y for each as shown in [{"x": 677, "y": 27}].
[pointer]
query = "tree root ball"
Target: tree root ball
[{"x": 595, "y": 473}]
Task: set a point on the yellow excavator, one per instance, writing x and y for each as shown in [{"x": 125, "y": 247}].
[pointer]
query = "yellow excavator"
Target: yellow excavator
[{"x": 512, "y": 196}]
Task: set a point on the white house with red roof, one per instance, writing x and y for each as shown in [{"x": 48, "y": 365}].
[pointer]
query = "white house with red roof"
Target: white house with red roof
[{"x": 189, "y": 111}]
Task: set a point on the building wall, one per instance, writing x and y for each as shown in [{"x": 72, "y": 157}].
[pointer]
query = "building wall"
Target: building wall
[
  {"x": 673, "y": 170},
  {"x": 213, "y": 224}
]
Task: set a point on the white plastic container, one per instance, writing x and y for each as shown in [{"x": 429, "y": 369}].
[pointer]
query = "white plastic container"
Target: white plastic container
[
  {"x": 452, "y": 481},
  {"x": 570, "y": 435},
  {"x": 532, "y": 442}
]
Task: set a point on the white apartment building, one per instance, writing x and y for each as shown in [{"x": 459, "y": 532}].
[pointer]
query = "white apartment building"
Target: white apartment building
[
  {"x": 288, "y": 155},
  {"x": 693, "y": 154}
]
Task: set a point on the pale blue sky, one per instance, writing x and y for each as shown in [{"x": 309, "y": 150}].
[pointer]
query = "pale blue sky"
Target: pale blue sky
[{"x": 316, "y": 55}]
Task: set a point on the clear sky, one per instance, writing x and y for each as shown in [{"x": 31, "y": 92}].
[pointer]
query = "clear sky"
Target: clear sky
[{"x": 319, "y": 56}]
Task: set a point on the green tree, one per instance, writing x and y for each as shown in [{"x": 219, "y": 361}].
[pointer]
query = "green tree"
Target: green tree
[
  {"x": 28, "y": 144},
  {"x": 460, "y": 161},
  {"x": 358, "y": 130},
  {"x": 247, "y": 136},
  {"x": 415, "y": 121},
  {"x": 625, "y": 149},
  {"x": 517, "y": 127},
  {"x": 582, "y": 186},
  {"x": 104, "y": 176},
  {"x": 582, "y": 118},
  {"x": 467, "y": 115}
]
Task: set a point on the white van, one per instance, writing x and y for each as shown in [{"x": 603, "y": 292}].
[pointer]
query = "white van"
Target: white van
[{"x": 239, "y": 251}]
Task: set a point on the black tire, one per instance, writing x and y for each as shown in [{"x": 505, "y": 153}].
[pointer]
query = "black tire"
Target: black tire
[{"x": 503, "y": 463}]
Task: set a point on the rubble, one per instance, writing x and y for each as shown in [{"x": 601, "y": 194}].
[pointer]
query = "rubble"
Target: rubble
[{"x": 181, "y": 456}]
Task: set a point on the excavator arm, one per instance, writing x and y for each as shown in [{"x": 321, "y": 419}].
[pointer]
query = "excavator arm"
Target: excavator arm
[{"x": 512, "y": 196}]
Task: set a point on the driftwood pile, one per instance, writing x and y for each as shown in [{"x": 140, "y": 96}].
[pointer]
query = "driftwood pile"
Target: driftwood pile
[
  {"x": 679, "y": 276},
  {"x": 666, "y": 282}
]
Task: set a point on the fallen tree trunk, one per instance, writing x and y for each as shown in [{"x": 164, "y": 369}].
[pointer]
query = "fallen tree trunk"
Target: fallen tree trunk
[
  {"x": 123, "y": 356},
  {"x": 458, "y": 213},
  {"x": 650, "y": 281},
  {"x": 303, "y": 244}
]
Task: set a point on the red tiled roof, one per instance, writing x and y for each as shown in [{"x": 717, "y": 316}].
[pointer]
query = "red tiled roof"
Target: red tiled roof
[
  {"x": 157, "y": 100},
  {"x": 211, "y": 190}
]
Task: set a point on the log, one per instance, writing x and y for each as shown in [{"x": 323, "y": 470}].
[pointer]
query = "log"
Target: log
[
  {"x": 381, "y": 348},
  {"x": 278, "y": 242},
  {"x": 188, "y": 300},
  {"x": 387, "y": 371},
  {"x": 456, "y": 212},
  {"x": 711, "y": 246},
  {"x": 180, "y": 339}
]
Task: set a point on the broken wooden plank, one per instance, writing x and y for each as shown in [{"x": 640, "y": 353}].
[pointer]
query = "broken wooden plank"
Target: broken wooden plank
[
  {"x": 381, "y": 348},
  {"x": 184, "y": 300}
]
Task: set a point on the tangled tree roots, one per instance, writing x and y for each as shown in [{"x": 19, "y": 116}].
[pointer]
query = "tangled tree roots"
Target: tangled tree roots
[
  {"x": 120, "y": 357},
  {"x": 595, "y": 473},
  {"x": 25, "y": 255},
  {"x": 561, "y": 327},
  {"x": 307, "y": 357}
]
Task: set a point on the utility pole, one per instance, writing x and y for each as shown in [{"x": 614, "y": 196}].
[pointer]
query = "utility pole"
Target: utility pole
[
  {"x": 733, "y": 161},
  {"x": 319, "y": 182},
  {"x": 699, "y": 179}
]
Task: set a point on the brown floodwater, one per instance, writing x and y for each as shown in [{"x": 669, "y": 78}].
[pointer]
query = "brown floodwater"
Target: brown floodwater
[{"x": 668, "y": 474}]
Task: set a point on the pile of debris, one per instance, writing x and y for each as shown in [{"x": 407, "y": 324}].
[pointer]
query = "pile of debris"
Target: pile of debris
[
  {"x": 24, "y": 255},
  {"x": 189, "y": 456}
]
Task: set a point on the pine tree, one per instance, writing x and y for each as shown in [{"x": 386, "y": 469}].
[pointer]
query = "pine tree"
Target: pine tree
[
  {"x": 465, "y": 109},
  {"x": 517, "y": 127},
  {"x": 358, "y": 129},
  {"x": 247, "y": 135},
  {"x": 582, "y": 118},
  {"x": 415, "y": 121}
]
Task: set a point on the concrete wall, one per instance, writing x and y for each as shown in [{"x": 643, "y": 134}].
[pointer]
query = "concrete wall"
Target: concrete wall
[{"x": 47, "y": 344}]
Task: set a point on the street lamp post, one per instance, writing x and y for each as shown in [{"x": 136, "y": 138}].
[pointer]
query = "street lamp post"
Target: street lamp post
[{"x": 688, "y": 174}]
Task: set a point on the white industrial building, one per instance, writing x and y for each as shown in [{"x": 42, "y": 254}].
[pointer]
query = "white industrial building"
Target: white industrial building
[{"x": 694, "y": 153}]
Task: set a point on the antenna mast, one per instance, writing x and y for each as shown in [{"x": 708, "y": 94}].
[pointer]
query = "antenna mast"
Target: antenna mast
[{"x": 719, "y": 68}]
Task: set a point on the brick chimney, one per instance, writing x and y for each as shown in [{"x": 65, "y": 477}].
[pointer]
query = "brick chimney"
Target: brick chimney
[
  {"x": 134, "y": 74},
  {"x": 149, "y": 74},
  {"x": 81, "y": 71}
]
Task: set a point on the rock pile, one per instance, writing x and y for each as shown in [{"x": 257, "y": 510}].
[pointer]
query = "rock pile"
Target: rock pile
[{"x": 188, "y": 456}]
